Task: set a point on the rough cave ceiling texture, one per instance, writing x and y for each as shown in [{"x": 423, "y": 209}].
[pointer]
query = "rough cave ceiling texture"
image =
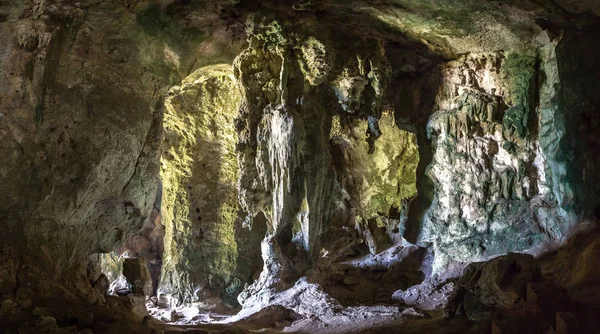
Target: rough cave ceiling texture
[{"x": 299, "y": 159}]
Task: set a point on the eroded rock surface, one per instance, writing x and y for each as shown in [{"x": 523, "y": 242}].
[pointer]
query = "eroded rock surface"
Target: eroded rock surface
[
  {"x": 492, "y": 176},
  {"x": 205, "y": 258},
  {"x": 81, "y": 136}
]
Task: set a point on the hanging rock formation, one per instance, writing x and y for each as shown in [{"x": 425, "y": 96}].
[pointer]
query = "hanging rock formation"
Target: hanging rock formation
[{"x": 309, "y": 151}]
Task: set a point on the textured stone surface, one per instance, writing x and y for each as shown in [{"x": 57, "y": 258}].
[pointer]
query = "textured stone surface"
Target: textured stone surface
[
  {"x": 498, "y": 284},
  {"x": 200, "y": 204},
  {"x": 315, "y": 149},
  {"x": 82, "y": 87},
  {"x": 82, "y": 139},
  {"x": 520, "y": 293},
  {"x": 378, "y": 183},
  {"x": 497, "y": 175}
]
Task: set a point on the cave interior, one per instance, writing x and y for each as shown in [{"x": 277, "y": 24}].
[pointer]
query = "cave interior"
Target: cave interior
[{"x": 311, "y": 166}]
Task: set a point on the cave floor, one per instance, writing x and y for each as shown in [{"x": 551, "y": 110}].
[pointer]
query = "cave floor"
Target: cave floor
[{"x": 432, "y": 322}]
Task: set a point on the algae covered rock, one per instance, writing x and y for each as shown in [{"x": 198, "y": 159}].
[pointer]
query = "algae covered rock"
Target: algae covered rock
[
  {"x": 380, "y": 181},
  {"x": 294, "y": 152},
  {"x": 316, "y": 60},
  {"x": 200, "y": 207},
  {"x": 297, "y": 89}
]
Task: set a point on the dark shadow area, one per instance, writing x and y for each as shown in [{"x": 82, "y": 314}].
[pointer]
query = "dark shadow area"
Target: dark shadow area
[
  {"x": 250, "y": 261},
  {"x": 371, "y": 280},
  {"x": 578, "y": 56}
]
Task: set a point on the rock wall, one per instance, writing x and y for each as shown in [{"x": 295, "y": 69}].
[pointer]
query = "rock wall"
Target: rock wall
[
  {"x": 342, "y": 131},
  {"x": 375, "y": 189},
  {"x": 579, "y": 105},
  {"x": 310, "y": 153},
  {"x": 81, "y": 112},
  {"x": 200, "y": 204},
  {"x": 493, "y": 194},
  {"x": 503, "y": 178},
  {"x": 81, "y": 141},
  {"x": 320, "y": 161}
]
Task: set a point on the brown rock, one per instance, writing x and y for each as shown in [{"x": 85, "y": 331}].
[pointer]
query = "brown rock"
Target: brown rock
[{"x": 566, "y": 323}]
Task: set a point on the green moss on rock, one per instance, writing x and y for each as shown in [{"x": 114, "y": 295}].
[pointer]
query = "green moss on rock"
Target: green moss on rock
[
  {"x": 316, "y": 61},
  {"x": 199, "y": 172},
  {"x": 519, "y": 71},
  {"x": 388, "y": 175}
]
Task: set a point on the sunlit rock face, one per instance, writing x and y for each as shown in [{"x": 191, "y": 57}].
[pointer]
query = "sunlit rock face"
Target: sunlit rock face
[
  {"x": 316, "y": 152},
  {"x": 82, "y": 90},
  {"x": 376, "y": 188},
  {"x": 208, "y": 253}
]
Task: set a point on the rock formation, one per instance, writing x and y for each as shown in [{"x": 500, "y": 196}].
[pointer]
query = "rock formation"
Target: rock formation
[{"x": 302, "y": 164}]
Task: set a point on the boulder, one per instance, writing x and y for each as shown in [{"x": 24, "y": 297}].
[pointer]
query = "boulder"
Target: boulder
[{"x": 498, "y": 284}]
